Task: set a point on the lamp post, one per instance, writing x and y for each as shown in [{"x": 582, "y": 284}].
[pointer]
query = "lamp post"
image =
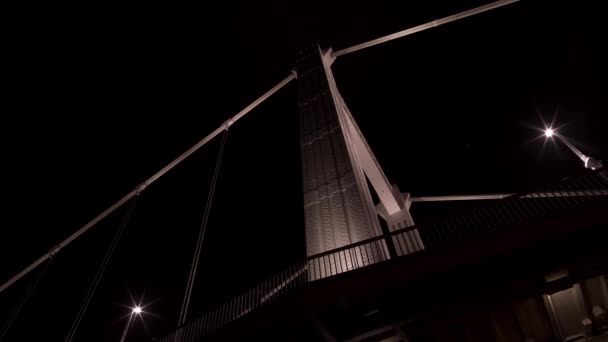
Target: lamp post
[
  {"x": 134, "y": 312},
  {"x": 589, "y": 162}
]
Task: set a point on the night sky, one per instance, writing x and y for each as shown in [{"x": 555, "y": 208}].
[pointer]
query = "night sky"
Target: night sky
[{"x": 97, "y": 99}]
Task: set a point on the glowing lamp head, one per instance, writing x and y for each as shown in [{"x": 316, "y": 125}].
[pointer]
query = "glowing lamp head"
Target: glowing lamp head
[
  {"x": 549, "y": 132},
  {"x": 137, "y": 310}
]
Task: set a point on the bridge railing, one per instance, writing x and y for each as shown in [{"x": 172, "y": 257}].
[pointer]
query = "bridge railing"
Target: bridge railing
[
  {"x": 517, "y": 209},
  {"x": 344, "y": 259},
  {"x": 492, "y": 218}
]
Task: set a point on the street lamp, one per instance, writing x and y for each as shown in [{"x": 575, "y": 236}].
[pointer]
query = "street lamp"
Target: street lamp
[
  {"x": 590, "y": 162},
  {"x": 134, "y": 312}
]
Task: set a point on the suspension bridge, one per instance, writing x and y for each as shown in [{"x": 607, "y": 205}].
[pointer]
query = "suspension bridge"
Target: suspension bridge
[{"x": 349, "y": 237}]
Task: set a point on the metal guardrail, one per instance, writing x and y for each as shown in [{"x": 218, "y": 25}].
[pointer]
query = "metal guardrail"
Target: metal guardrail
[
  {"x": 347, "y": 258},
  {"x": 517, "y": 209},
  {"x": 489, "y": 219}
]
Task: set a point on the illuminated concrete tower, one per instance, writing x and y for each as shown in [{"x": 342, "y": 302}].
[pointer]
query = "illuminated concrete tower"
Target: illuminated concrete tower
[{"x": 336, "y": 159}]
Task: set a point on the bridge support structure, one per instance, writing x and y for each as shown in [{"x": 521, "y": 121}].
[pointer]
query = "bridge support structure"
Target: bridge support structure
[{"x": 337, "y": 166}]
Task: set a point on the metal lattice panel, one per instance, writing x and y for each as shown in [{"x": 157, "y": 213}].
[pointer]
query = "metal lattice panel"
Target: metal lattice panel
[{"x": 333, "y": 205}]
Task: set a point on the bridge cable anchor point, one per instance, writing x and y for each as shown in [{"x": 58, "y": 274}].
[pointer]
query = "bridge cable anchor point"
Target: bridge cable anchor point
[
  {"x": 53, "y": 251},
  {"x": 228, "y": 123},
  {"x": 140, "y": 188}
]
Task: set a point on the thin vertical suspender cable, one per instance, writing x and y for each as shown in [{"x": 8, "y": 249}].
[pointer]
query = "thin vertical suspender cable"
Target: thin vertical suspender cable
[
  {"x": 100, "y": 271},
  {"x": 24, "y": 299},
  {"x": 201, "y": 236}
]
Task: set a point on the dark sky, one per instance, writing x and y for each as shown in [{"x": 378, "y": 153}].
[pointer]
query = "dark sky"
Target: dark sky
[{"x": 97, "y": 99}]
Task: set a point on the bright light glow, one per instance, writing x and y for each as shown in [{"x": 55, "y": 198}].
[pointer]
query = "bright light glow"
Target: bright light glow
[
  {"x": 549, "y": 132},
  {"x": 137, "y": 310}
]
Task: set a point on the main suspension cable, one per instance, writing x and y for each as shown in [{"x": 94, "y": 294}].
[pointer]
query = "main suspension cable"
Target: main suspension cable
[
  {"x": 148, "y": 182},
  {"x": 416, "y": 29}
]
